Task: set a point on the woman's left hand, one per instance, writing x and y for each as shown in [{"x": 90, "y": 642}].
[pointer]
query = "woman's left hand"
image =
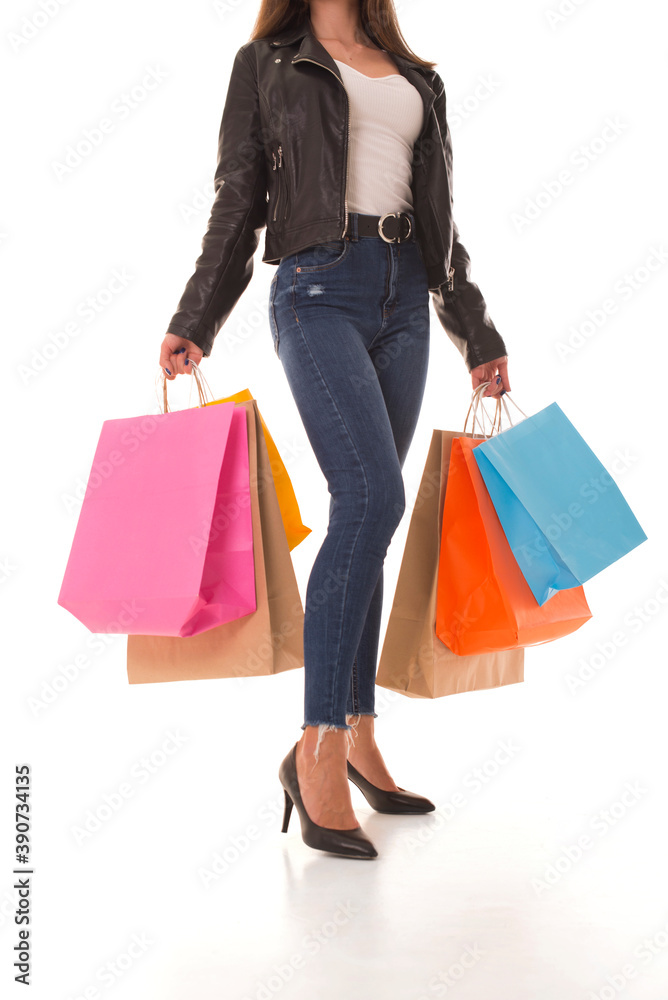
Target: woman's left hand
[{"x": 495, "y": 372}]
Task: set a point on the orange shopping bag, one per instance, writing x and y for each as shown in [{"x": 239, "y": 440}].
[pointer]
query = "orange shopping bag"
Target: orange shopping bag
[
  {"x": 287, "y": 501},
  {"x": 483, "y": 601}
]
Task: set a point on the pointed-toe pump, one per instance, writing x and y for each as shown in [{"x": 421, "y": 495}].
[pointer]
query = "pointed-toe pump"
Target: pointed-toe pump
[
  {"x": 389, "y": 802},
  {"x": 351, "y": 843}
]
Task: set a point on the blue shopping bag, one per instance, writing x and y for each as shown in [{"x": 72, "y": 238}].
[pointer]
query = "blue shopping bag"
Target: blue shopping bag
[{"x": 561, "y": 511}]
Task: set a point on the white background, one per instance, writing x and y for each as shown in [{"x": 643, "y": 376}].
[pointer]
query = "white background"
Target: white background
[{"x": 528, "y": 90}]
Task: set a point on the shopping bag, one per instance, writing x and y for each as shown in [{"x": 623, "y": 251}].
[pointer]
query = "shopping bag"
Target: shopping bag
[
  {"x": 266, "y": 642},
  {"x": 563, "y": 515},
  {"x": 483, "y": 602},
  {"x": 295, "y": 530},
  {"x": 414, "y": 661},
  {"x": 164, "y": 543}
]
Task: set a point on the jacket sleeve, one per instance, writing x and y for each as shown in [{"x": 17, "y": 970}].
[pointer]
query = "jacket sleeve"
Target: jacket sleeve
[
  {"x": 458, "y": 302},
  {"x": 238, "y": 215}
]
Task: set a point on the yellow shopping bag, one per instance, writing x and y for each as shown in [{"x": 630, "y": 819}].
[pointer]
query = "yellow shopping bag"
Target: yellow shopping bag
[{"x": 287, "y": 501}]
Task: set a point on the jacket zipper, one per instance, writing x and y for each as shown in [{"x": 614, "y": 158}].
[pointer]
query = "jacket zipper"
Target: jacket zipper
[
  {"x": 450, "y": 280},
  {"x": 345, "y": 183},
  {"x": 279, "y": 178}
]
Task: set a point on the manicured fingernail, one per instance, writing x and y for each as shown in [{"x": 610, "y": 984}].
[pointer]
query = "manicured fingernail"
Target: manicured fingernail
[
  {"x": 180, "y": 350},
  {"x": 168, "y": 371},
  {"x": 186, "y": 362}
]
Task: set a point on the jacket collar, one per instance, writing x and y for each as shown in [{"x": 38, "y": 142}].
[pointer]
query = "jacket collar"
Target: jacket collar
[{"x": 311, "y": 48}]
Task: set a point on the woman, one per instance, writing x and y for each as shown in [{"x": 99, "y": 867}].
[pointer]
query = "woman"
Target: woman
[{"x": 334, "y": 138}]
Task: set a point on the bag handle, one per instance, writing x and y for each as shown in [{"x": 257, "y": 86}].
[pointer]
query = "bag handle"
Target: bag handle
[
  {"x": 203, "y": 388},
  {"x": 480, "y": 414},
  {"x": 503, "y": 402}
]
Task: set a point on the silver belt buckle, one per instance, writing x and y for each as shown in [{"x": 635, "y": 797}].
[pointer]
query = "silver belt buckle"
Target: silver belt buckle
[{"x": 396, "y": 239}]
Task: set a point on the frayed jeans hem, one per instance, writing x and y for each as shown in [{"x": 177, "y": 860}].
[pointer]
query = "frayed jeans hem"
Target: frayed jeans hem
[{"x": 324, "y": 727}]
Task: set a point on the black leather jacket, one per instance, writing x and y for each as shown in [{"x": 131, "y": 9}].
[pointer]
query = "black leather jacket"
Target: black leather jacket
[{"x": 282, "y": 163}]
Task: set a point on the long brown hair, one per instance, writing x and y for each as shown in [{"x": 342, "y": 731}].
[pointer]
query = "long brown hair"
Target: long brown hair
[{"x": 379, "y": 20}]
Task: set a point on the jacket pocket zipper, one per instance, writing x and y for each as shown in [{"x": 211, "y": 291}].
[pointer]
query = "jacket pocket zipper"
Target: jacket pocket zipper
[{"x": 278, "y": 167}]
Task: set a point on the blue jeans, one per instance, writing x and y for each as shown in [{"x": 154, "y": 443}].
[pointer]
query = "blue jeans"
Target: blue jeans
[{"x": 350, "y": 324}]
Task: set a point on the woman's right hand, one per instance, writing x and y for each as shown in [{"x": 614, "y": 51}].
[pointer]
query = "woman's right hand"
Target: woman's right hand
[
  {"x": 177, "y": 355},
  {"x": 496, "y": 373}
]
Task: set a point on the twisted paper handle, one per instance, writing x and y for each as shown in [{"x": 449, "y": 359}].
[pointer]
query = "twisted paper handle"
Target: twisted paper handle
[
  {"x": 480, "y": 416},
  {"x": 203, "y": 388}
]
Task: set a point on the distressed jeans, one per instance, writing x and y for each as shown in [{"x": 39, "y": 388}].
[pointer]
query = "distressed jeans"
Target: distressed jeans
[{"x": 349, "y": 321}]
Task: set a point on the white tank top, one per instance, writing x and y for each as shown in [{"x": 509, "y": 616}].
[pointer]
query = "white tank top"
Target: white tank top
[{"x": 386, "y": 115}]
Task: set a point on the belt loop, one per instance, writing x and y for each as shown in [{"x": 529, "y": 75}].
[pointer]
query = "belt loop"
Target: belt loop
[{"x": 352, "y": 226}]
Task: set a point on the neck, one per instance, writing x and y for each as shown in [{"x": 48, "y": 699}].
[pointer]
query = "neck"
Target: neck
[{"x": 338, "y": 20}]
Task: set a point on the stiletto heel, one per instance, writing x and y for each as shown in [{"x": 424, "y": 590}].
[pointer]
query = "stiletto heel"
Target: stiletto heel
[
  {"x": 389, "y": 802},
  {"x": 287, "y": 812},
  {"x": 346, "y": 843}
]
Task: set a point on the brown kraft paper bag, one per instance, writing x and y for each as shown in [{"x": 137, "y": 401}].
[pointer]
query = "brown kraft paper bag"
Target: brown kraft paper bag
[
  {"x": 413, "y": 660},
  {"x": 267, "y": 641}
]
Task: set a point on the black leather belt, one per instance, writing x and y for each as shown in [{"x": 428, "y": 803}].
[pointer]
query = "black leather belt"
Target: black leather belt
[{"x": 393, "y": 227}]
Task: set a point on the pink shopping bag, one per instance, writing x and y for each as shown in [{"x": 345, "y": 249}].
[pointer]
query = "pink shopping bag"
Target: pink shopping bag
[{"x": 164, "y": 541}]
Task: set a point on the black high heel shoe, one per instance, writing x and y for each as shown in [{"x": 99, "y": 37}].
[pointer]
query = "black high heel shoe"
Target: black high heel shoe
[
  {"x": 346, "y": 843},
  {"x": 389, "y": 802}
]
